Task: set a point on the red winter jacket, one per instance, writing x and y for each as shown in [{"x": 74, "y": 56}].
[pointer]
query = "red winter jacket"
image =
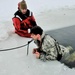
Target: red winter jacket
[{"x": 23, "y": 22}]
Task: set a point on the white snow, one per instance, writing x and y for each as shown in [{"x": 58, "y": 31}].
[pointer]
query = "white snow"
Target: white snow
[
  {"x": 3, "y": 32},
  {"x": 50, "y": 15}
]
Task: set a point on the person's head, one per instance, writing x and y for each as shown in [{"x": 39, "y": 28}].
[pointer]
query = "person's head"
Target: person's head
[
  {"x": 23, "y": 6},
  {"x": 36, "y": 32}
]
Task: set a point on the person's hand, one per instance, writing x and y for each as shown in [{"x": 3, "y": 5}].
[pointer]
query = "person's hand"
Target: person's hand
[
  {"x": 37, "y": 54},
  {"x": 34, "y": 50}
]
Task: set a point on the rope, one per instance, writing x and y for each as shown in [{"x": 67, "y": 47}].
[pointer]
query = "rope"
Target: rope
[
  {"x": 13, "y": 48},
  {"x": 18, "y": 47}
]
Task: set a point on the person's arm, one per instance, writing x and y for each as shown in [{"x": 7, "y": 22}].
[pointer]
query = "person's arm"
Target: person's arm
[
  {"x": 30, "y": 21},
  {"x": 18, "y": 24},
  {"x": 33, "y": 21}
]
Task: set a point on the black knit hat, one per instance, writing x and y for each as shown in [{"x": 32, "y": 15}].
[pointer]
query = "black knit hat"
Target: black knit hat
[
  {"x": 23, "y": 4},
  {"x": 36, "y": 30}
]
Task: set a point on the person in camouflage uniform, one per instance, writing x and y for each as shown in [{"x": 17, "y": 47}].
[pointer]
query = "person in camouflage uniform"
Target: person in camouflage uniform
[{"x": 48, "y": 47}]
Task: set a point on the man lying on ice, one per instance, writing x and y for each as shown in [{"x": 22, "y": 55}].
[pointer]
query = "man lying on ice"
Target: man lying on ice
[{"x": 47, "y": 47}]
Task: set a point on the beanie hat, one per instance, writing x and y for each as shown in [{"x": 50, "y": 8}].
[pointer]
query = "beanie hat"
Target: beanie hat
[{"x": 23, "y": 5}]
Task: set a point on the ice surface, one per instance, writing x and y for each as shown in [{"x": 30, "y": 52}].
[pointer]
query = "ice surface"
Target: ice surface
[{"x": 50, "y": 15}]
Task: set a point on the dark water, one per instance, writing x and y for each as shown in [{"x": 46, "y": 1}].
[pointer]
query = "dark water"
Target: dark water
[{"x": 66, "y": 37}]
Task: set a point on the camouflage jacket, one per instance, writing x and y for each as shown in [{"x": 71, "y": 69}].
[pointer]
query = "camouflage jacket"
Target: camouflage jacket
[{"x": 47, "y": 48}]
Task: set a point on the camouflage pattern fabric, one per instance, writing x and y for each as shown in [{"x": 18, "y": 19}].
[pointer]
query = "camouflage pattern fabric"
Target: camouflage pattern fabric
[{"x": 48, "y": 49}]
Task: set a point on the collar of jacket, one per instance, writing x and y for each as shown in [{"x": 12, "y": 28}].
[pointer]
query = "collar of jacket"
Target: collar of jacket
[{"x": 42, "y": 36}]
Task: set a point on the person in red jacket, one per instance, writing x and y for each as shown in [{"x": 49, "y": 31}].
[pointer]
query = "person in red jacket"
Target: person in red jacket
[{"x": 23, "y": 20}]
